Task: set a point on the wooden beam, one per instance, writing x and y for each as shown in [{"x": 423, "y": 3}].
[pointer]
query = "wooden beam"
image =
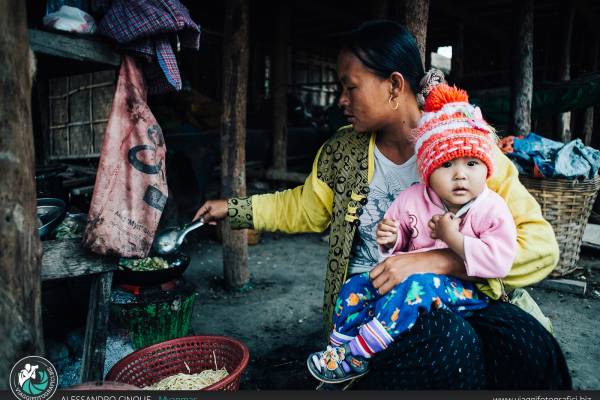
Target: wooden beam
[
  {"x": 20, "y": 249},
  {"x": 285, "y": 176},
  {"x": 74, "y": 48},
  {"x": 416, "y": 17},
  {"x": 456, "y": 12},
  {"x": 233, "y": 135},
  {"x": 564, "y": 285},
  {"x": 564, "y": 70},
  {"x": 588, "y": 114},
  {"x": 68, "y": 259},
  {"x": 591, "y": 235},
  {"x": 281, "y": 66},
  {"x": 41, "y": 123},
  {"x": 458, "y": 55},
  {"x": 588, "y": 16},
  {"x": 96, "y": 329},
  {"x": 275, "y": 175},
  {"x": 522, "y": 92},
  {"x": 380, "y": 9},
  {"x": 325, "y": 8}
]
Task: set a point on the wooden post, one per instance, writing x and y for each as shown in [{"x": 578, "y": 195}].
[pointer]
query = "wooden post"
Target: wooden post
[
  {"x": 564, "y": 73},
  {"x": 523, "y": 71},
  {"x": 96, "y": 329},
  {"x": 41, "y": 89},
  {"x": 416, "y": 16},
  {"x": 256, "y": 78},
  {"x": 380, "y": 9},
  {"x": 280, "y": 83},
  {"x": 588, "y": 114},
  {"x": 458, "y": 52},
  {"x": 233, "y": 135},
  {"x": 20, "y": 249}
]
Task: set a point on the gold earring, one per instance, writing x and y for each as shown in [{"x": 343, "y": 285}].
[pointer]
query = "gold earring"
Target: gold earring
[{"x": 390, "y": 102}]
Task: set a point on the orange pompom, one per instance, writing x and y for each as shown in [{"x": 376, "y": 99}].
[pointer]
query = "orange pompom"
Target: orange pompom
[{"x": 443, "y": 94}]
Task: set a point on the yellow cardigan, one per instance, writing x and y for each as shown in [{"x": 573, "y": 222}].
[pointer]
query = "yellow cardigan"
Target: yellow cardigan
[{"x": 338, "y": 187}]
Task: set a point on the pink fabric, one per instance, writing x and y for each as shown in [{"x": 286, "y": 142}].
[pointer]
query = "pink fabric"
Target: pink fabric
[
  {"x": 488, "y": 226},
  {"x": 131, "y": 186}
]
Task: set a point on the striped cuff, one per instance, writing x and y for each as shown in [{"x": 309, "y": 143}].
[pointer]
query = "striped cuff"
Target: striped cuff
[
  {"x": 372, "y": 339},
  {"x": 338, "y": 339}
]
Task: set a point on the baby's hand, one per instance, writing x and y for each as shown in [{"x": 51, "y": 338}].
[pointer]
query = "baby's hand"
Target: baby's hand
[
  {"x": 387, "y": 233},
  {"x": 443, "y": 226}
]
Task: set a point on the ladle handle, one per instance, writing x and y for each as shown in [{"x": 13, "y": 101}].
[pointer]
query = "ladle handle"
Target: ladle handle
[{"x": 188, "y": 229}]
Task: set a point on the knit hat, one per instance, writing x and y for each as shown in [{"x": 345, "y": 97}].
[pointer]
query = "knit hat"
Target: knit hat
[{"x": 451, "y": 128}]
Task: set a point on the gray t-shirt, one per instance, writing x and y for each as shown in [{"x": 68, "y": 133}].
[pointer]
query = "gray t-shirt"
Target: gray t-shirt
[{"x": 388, "y": 181}]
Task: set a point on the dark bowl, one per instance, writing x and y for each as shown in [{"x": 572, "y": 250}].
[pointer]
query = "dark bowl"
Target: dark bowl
[
  {"x": 51, "y": 212},
  {"x": 178, "y": 263}
]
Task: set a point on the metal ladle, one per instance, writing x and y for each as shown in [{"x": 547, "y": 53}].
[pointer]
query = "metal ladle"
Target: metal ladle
[{"x": 168, "y": 240}]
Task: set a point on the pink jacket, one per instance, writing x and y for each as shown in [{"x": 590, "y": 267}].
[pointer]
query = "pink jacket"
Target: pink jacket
[{"x": 489, "y": 230}]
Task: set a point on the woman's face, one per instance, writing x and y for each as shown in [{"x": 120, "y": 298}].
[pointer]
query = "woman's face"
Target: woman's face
[{"x": 364, "y": 96}]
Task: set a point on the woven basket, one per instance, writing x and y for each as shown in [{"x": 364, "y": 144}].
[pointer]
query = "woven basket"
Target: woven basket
[
  {"x": 153, "y": 363},
  {"x": 566, "y": 204}
]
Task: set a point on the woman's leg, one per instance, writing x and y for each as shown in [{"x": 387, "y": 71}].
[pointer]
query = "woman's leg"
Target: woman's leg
[
  {"x": 518, "y": 351},
  {"x": 397, "y": 311},
  {"x": 441, "y": 351}
]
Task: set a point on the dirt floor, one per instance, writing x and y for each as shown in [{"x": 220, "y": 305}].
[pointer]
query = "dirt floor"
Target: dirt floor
[{"x": 279, "y": 316}]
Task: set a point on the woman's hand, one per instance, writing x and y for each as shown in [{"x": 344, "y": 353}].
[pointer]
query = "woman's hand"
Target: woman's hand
[
  {"x": 387, "y": 233},
  {"x": 395, "y": 269},
  {"x": 212, "y": 211}
]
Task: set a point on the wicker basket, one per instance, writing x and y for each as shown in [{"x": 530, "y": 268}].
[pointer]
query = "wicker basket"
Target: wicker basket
[
  {"x": 153, "y": 363},
  {"x": 566, "y": 204}
]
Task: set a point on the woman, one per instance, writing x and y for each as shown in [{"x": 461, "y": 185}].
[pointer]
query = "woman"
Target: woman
[{"x": 355, "y": 177}]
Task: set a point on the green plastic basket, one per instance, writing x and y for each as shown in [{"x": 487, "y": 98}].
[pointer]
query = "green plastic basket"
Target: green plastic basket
[{"x": 154, "y": 322}]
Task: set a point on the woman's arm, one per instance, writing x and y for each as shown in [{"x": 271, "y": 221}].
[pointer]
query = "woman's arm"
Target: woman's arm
[
  {"x": 306, "y": 208},
  {"x": 537, "y": 248},
  {"x": 395, "y": 269}
]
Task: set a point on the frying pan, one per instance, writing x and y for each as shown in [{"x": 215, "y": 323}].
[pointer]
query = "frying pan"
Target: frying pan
[{"x": 178, "y": 264}]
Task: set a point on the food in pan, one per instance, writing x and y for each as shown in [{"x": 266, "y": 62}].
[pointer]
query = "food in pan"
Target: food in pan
[{"x": 144, "y": 264}]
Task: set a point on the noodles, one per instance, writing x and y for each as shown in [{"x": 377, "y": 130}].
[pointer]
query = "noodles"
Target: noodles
[{"x": 190, "y": 382}]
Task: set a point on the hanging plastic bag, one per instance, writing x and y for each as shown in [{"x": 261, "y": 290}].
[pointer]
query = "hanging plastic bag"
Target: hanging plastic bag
[
  {"x": 131, "y": 188},
  {"x": 70, "y": 19}
]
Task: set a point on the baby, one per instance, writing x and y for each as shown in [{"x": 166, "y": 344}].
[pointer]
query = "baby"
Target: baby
[{"x": 452, "y": 208}]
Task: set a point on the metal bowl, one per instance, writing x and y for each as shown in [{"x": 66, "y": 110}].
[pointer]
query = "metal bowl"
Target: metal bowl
[{"x": 50, "y": 211}]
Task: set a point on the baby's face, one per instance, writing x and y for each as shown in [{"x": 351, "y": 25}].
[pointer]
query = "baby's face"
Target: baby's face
[{"x": 459, "y": 181}]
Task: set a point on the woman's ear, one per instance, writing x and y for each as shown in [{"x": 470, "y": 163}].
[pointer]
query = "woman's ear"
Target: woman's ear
[{"x": 398, "y": 83}]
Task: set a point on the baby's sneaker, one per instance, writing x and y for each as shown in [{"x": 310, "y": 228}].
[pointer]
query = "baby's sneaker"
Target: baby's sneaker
[{"x": 337, "y": 364}]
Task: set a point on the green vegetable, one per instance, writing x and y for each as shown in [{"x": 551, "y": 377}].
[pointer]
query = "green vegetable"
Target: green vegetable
[{"x": 145, "y": 264}]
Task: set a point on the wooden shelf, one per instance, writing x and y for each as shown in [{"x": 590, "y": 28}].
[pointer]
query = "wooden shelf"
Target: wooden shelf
[
  {"x": 73, "y": 47},
  {"x": 69, "y": 259}
]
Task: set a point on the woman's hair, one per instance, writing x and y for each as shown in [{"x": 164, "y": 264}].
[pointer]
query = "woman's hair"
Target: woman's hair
[{"x": 385, "y": 47}]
